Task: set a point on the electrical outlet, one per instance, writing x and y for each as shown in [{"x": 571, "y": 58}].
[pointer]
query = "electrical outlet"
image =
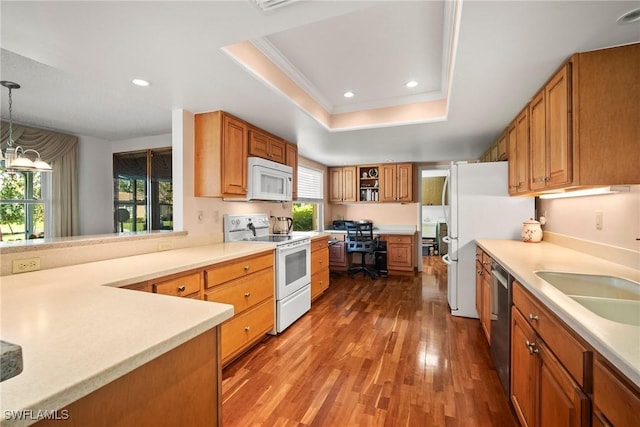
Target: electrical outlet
[
  {"x": 166, "y": 246},
  {"x": 598, "y": 220},
  {"x": 24, "y": 265}
]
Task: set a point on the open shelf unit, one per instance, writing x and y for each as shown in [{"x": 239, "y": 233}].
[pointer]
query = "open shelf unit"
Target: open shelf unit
[{"x": 368, "y": 183}]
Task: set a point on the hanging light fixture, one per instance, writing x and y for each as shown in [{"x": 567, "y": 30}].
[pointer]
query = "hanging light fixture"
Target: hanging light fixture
[{"x": 14, "y": 158}]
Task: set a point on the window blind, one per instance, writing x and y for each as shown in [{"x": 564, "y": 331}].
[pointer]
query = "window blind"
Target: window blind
[{"x": 310, "y": 186}]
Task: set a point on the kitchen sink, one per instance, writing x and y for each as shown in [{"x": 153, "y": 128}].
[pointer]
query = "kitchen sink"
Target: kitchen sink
[
  {"x": 613, "y": 298},
  {"x": 618, "y": 310}
]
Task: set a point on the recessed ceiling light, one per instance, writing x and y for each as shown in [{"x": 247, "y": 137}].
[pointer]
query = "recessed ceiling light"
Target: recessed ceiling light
[
  {"x": 629, "y": 17},
  {"x": 411, "y": 83},
  {"x": 140, "y": 82},
  {"x": 349, "y": 94}
]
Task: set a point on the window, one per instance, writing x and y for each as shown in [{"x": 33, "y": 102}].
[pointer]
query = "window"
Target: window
[
  {"x": 22, "y": 207},
  {"x": 143, "y": 190},
  {"x": 307, "y": 210}
]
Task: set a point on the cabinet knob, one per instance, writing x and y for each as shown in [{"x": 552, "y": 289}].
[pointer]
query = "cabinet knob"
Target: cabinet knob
[
  {"x": 533, "y": 317},
  {"x": 480, "y": 272},
  {"x": 247, "y": 294},
  {"x": 246, "y": 268},
  {"x": 182, "y": 288},
  {"x": 247, "y": 328},
  {"x": 532, "y": 347}
]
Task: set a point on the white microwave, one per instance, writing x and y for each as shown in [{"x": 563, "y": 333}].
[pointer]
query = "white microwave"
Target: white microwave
[{"x": 267, "y": 180}]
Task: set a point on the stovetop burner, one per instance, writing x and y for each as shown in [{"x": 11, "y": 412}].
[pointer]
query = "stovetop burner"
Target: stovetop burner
[{"x": 255, "y": 228}]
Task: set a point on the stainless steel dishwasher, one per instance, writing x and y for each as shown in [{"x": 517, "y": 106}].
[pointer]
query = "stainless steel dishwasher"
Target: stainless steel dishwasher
[{"x": 501, "y": 323}]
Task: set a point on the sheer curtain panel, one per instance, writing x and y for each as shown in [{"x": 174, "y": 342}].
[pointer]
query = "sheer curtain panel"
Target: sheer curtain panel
[{"x": 61, "y": 151}]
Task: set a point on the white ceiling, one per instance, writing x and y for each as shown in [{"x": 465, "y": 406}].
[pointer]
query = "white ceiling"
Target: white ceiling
[{"x": 74, "y": 61}]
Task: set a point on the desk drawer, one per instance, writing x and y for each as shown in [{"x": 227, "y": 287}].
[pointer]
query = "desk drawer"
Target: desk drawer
[{"x": 399, "y": 239}]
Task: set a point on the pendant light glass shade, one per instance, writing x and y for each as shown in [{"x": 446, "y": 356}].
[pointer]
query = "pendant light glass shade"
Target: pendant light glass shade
[{"x": 14, "y": 158}]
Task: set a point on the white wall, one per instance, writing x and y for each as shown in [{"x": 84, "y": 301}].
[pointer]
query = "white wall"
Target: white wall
[
  {"x": 95, "y": 186},
  {"x": 96, "y": 178},
  {"x": 576, "y": 217}
]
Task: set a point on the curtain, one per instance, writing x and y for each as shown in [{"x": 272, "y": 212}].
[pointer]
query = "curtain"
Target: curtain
[{"x": 61, "y": 152}]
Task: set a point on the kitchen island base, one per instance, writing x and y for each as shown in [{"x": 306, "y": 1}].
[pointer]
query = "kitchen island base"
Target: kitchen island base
[{"x": 180, "y": 387}]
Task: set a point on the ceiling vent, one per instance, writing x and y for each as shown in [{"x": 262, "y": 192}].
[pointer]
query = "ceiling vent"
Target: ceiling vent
[{"x": 267, "y": 6}]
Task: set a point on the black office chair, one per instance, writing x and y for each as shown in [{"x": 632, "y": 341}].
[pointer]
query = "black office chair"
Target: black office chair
[{"x": 360, "y": 240}]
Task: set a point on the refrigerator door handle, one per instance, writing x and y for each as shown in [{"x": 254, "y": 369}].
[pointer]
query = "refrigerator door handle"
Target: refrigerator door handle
[
  {"x": 446, "y": 259},
  {"x": 445, "y": 187}
]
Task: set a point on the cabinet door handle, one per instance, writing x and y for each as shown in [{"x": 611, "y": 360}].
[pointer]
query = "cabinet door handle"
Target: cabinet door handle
[
  {"x": 533, "y": 317},
  {"x": 182, "y": 288},
  {"x": 247, "y": 294},
  {"x": 532, "y": 347}
]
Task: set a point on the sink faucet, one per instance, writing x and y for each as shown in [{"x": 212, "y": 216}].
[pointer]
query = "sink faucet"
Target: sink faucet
[{"x": 251, "y": 227}]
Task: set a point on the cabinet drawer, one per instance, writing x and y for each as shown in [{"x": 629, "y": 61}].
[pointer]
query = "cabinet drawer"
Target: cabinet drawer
[
  {"x": 319, "y": 283},
  {"x": 618, "y": 402},
  {"x": 319, "y": 260},
  {"x": 180, "y": 286},
  {"x": 400, "y": 239},
  {"x": 226, "y": 271},
  {"x": 319, "y": 244},
  {"x": 242, "y": 330},
  {"x": 245, "y": 292},
  {"x": 575, "y": 357}
]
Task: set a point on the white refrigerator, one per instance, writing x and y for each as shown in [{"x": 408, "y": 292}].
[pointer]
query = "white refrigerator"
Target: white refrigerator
[{"x": 479, "y": 208}]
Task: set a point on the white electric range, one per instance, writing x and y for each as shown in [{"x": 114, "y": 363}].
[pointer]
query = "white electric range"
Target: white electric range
[{"x": 292, "y": 264}]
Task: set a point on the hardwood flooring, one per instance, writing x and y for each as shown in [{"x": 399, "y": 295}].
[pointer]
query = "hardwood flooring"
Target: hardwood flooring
[{"x": 371, "y": 353}]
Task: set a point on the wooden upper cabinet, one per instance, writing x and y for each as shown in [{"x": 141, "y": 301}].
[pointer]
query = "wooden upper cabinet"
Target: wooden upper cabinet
[
  {"x": 551, "y": 148},
  {"x": 606, "y": 112},
  {"x": 518, "y": 140},
  {"x": 266, "y": 146},
  {"x": 220, "y": 155},
  {"x": 342, "y": 184},
  {"x": 396, "y": 182},
  {"x": 291, "y": 157},
  {"x": 501, "y": 144}
]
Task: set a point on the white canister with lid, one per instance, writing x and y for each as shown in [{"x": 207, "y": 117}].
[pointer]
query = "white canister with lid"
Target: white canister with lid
[{"x": 531, "y": 231}]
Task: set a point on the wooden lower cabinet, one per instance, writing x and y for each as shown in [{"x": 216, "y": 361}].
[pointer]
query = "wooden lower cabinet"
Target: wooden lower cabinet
[
  {"x": 245, "y": 329},
  {"x": 523, "y": 369},
  {"x": 319, "y": 266},
  {"x": 616, "y": 401},
  {"x": 544, "y": 392},
  {"x": 483, "y": 291},
  {"x": 247, "y": 284},
  {"x": 561, "y": 400},
  {"x": 400, "y": 253},
  {"x": 338, "y": 254},
  {"x": 179, "y": 388}
]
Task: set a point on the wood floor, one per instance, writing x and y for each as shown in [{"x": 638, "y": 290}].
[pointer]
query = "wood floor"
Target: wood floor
[{"x": 369, "y": 353}]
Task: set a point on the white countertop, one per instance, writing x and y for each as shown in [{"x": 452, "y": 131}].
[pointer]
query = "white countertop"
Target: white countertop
[
  {"x": 78, "y": 331},
  {"x": 618, "y": 342}
]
